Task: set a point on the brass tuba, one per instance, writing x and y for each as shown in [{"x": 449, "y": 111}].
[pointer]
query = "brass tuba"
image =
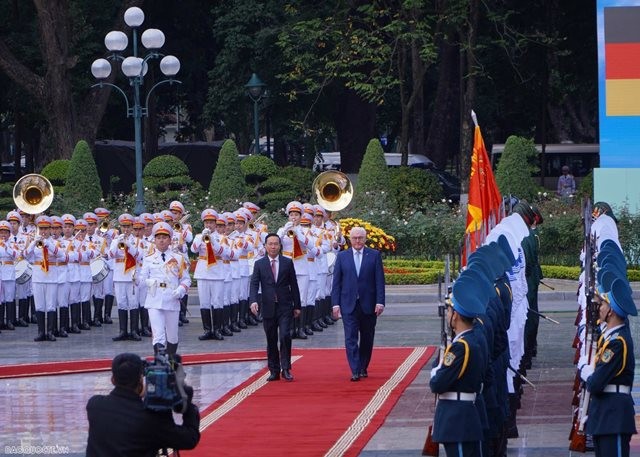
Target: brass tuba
[
  {"x": 333, "y": 190},
  {"x": 33, "y": 193}
]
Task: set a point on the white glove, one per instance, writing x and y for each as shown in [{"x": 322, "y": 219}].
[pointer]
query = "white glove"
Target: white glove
[
  {"x": 585, "y": 372},
  {"x": 178, "y": 292},
  {"x": 582, "y": 362},
  {"x": 206, "y": 232},
  {"x": 150, "y": 282},
  {"x": 434, "y": 371}
]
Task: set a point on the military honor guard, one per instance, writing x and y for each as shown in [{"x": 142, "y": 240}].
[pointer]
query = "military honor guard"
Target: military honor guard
[
  {"x": 18, "y": 241},
  {"x": 210, "y": 275},
  {"x": 106, "y": 233},
  {"x": 123, "y": 252},
  {"x": 166, "y": 275},
  {"x": 7, "y": 280}
]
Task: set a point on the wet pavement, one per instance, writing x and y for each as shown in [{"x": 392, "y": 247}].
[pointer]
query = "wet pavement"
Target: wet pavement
[{"x": 47, "y": 413}]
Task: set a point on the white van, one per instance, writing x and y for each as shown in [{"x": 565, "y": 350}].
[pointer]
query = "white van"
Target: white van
[{"x": 331, "y": 161}]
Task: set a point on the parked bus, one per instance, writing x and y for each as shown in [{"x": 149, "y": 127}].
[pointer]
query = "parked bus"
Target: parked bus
[{"x": 581, "y": 159}]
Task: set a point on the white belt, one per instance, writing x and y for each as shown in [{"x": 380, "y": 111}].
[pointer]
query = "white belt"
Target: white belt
[
  {"x": 464, "y": 396},
  {"x": 614, "y": 388}
]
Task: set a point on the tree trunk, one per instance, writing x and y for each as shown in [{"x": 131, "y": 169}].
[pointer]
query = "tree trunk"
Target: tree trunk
[
  {"x": 468, "y": 91},
  {"x": 442, "y": 139},
  {"x": 418, "y": 139},
  {"x": 354, "y": 120}
]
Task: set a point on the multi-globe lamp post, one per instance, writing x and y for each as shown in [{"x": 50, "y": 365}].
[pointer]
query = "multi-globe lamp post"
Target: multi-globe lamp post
[
  {"x": 257, "y": 91},
  {"x": 135, "y": 68}
]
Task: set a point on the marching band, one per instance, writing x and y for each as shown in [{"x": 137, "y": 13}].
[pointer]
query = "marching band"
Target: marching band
[{"x": 74, "y": 270}]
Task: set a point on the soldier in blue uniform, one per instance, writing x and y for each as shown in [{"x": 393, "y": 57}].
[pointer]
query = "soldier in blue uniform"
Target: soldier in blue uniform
[
  {"x": 611, "y": 415},
  {"x": 458, "y": 378}
]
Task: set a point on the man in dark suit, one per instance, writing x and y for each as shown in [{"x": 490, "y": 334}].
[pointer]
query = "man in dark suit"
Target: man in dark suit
[
  {"x": 276, "y": 276},
  {"x": 119, "y": 424},
  {"x": 358, "y": 295}
]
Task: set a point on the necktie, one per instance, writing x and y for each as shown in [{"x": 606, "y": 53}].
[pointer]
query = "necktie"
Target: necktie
[
  {"x": 358, "y": 262},
  {"x": 273, "y": 269},
  {"x": 90, "y": 238},
  {"x": 15, "y": 239},
  {"x": 162, "y": 255}
]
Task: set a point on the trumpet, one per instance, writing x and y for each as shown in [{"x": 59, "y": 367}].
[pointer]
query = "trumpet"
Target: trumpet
[
  {"x": 104, "y": 226},
  {"x": 121, "y": 245},
  {"x": 206, "y": 238},
  {"x": 177, "y": 226},
  {"x": 253, "y": 224}
]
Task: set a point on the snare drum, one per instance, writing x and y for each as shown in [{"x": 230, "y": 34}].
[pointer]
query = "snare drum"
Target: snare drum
[
  {"x": 331, "y": 261},
  {"x": 99, "y": 269},
  {"x": 23, "y": 272}
]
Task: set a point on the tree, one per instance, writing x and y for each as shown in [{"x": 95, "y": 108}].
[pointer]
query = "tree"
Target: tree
[
  {"x": 227, "y": 186},
  {"x": 65, "y": 41},
  {"x": 82, "y": 187},
  {"x": 515, "y": 168}
]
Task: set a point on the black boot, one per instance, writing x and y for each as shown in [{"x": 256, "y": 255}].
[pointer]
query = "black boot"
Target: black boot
[
  {"x": 206, "y": 324},
  {"x": 183, "y": 309},
  {"x": 75, "y": 318},
  {"x": 54, "y": 325},
  {"x": 23, "y": 313},
  {"x": 234, "y": 318},
  {"x": 313, "y": 319},
  {"x": 299, "y": 327},
  {"x": 52, "y": 318},
  {"x": 123, "y": 317},
  {"x": 42, "y": 336},
  {"x": 157, "y": 348},
  {"x": 97, "y": 314},
  {"x": 11, "y": 314},
  {"x": 226, "y": 313},
  {"x": 307, "y": 314},
  {"x": 172, "y": 350},
  {"x": 250, "y": 320},
  {"x": 108, "y": 305},
  {"x": 32, "y": 307},
  {"x": 5, "y": 322},
  {"x": 86, "y": 315},
  {"x": 217, "y": 324},
  {"x": 241, "y": 315},
  {"x": 64, "y": 322},
  {"x": 135, "y": 329},
  {"x": 318, "y": 314},
  {"x": 144, "y": 320}
]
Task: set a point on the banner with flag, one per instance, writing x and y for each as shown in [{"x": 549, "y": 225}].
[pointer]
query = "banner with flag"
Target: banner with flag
[
  {"x": 485, "y": 208},
  {"x": 130, "y": 261}
]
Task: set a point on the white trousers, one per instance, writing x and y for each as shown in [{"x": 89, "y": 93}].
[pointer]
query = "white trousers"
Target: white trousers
[
  {"x": 44, "y": 296},
  {"x": 62, "y": 294},
  {"x": 211, "y": 293},
  {"x": 164, "y": 325},
  {"x": 9, "y": 290},
  {"x": 125, "y": 295}
]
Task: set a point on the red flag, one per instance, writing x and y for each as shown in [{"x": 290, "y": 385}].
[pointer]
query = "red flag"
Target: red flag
[
  {"x": 45, "y": 259},
  {"x": 483, "y": 210},
  {"x": 211, "y": 257},
  {"x": 129, "y": 260}
]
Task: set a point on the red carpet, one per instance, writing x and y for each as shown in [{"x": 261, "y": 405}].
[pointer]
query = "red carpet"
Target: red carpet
[
  {"x": 83, "y": 366},
  {"x": 320, "y": 413}
]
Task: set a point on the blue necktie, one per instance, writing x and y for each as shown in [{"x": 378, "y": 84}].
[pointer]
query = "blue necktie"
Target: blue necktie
[{"x": 358, "y": 262}]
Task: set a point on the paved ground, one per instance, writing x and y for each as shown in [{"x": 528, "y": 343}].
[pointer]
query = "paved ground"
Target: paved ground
[{"x": 410, "y": 320}]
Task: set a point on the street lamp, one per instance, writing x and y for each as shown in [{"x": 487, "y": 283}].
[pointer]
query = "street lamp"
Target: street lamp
[
  {"x": 135, "y": 68},
  {"x": 256, "y": 90}
]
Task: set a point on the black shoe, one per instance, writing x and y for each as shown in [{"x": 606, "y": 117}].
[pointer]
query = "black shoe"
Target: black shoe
[
  {"x": 40, "y": 337},
  {"x": 308, "y": 331},
  {"x": 226, "y": 331},
  {"x": 84, "y": 326},
  {"x": 180, "y": 324},
  {"x": 251, "y": 321},
  {"x": 242, "y": 324},
  {"x": 355, "y": 377},
  {"x": 50, "y": 337},
  {"x": 95, "y": 323},
  {"x": 62, "y": 333},
  {"x": 286, "y": 374},
  {"x": 107, "y": 320},
  {"x": 217, "y": 335},
  {"x": 20, "y": 323},
  {"x": 146, "y": 333},
  {"x": 328, "y": 321},
  {"x": 124, "y": 336},
  {"x": 273, "y": 377},
  {"x": 234, "y": 327},
  {"x": 316, "y": 327},
  {"x": 74, "y": 329},
  {"x": 133, "y": 336},
  {"x": 8, "y": 326},
  {"x": 321, "y": 323},
  {"x": 300, "y": 334},
  {"x": 206, "y": 336},
  {"x": 183, "y": 319},
  {"x": 363, "y": 373}
]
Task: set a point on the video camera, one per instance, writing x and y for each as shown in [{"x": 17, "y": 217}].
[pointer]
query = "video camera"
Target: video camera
[{"x": 165, "y": 387}]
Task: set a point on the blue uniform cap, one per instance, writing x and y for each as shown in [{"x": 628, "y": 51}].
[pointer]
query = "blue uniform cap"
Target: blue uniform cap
[
  {"x": 612, "y": 261},
  {"x": 610, "y": 244},
  {"x": 502, "y": 263},
  {"x": 609, "y": 249},
  {"x": 503, "y": 243},
  {"x": 620, "y": 299},
  {"x": 483, "y": 287},
  {"x": 465, "y": 298},
  {"x": 605, "y": 278}
]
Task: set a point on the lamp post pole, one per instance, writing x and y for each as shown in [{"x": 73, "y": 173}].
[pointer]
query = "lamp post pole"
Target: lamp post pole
[
  {"x": 256, "y": 90},
  {"x": 135, "y": 68}
]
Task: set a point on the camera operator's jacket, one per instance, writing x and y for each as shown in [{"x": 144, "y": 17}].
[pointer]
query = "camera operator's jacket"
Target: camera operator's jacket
[{"x": 166, "y": 276}]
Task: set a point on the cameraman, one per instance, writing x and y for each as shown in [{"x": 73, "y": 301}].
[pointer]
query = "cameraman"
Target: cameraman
[{"x": 119, "y": 424}]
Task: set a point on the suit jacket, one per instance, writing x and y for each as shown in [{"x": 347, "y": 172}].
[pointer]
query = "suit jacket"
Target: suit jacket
[
  {"x": 285, "y": 288},
  {"x": 348, "y": 285},
  {"x": 120, "y": 426}
]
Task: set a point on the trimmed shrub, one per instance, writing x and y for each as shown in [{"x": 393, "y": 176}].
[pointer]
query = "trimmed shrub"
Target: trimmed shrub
[
  {"x": 82, "y": 187},
  {"x": 227, "y": 183},
  {"x": 585, "y": 189},
  {"x": 6, "y": 197},
  {"x": 301, "y": 179},
  {"x": 374, "y": 173},
  {"x": 277, "y": 201},
  {"x": 165, "y": 166},
  {"x": 515, "y": 169},
  {"x": 56, "y": 171},
  {"x": 257, "y": 168},
  {"x": 413, "y": 189}
]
